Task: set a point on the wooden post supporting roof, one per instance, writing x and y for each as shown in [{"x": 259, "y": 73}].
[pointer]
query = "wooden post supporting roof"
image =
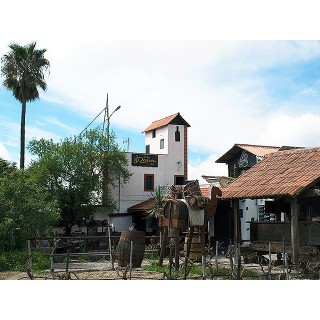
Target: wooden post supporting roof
[
  {"x": 236, "y": 223},
  {"x": 294, "y": 230}
]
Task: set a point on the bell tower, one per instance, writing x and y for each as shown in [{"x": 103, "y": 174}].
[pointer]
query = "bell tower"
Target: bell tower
[{"x": 169, "y": 136}]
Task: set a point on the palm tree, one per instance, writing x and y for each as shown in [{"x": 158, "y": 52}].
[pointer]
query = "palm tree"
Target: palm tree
[
  {"x": 23, "y": 69},
  {"x": 156, "y": 210}
]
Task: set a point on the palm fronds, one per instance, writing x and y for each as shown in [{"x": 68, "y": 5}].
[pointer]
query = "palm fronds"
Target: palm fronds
[{"x": 156, "y": 210}]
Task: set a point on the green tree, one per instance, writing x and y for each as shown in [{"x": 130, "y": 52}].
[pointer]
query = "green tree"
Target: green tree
[
  {"x": 71, "y": 170},
  {"x": 7, "y": 167},
  {"x": 26, "y": 210},
  {"x": 23, "y": 68}
]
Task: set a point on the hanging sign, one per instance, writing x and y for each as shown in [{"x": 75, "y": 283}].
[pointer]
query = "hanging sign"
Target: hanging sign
[{"x": 144, "y": 160}]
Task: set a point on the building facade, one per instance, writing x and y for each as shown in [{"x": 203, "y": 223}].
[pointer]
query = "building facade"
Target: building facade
[
  {"x": 163, "y": 163},
  {"x": 239, "y": 159}
]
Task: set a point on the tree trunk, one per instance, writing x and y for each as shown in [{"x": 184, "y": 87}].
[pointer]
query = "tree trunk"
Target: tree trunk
[{"x": 23, "y": 134}]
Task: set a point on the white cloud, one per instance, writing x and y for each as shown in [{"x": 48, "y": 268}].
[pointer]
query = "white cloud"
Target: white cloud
[
  {"x": 4, "y": 154},
  {"x": 45, "y": 97},
  {"x": 53, "y": 121},
  {"x": 302, "y": 130},
  {"x": 10, "y": 136},
  {"x": 212, "y": 84},
  {"x": 217, "y": 86},
  {"x": 207, "y": 81},
  {"x": 36, "y": 133},
  {"x": 208, "y": 167}
]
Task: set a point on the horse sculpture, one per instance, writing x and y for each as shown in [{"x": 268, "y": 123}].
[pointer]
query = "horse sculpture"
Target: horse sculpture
[{"x": 184, "y": 207}]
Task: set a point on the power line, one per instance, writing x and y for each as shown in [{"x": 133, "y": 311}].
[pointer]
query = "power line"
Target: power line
[
  {"x": 105, "y": 110},
  {"x": 92, "y": 122}
]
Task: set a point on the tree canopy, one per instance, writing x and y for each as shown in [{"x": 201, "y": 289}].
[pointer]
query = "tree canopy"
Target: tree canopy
[
  {"x": 7, "y": 167},
  {"x": 26, "y": 210},
  {"x": 72, "y": 169}
]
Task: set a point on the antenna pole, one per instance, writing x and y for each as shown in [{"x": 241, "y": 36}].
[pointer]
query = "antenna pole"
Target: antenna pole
[
  {"x": 104, "y": 118},
  {"x": 127, "y": 141}
]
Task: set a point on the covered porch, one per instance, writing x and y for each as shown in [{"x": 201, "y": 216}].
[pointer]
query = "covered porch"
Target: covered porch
[{"x": 289, "y": 177}]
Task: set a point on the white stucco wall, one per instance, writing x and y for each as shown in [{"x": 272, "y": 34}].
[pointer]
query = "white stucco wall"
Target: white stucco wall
[
  {"x": 133, "y": 192},
  {"x": 161, "y": 133},
  {"x": 176, "y": 148},
  {"x": 250, "y": 210},
  {"x": 169, "y": 165},
  {"x": 173, "y": 149}
]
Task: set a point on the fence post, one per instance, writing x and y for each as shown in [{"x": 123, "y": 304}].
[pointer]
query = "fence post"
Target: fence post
[
  {"x": 283, "y": 256},
  {"x": 131, "y": 250},
  {"x": 231, "y": 260},
  {"x": 217, "y": 245},
  {"x": 239, "y": 262},
  {"x": 110, "y": 251},
  {"x": 52, "y": 266},
  {"x": 270, "y": 260},
  {"x": 203, "y": 267},
  {"x": 186, "y": 258},
  {"x": 30, "y": 258},
  {"x": 286, "y": 263},
  {"x": 177, "y": 249},
  {"x": 67, "y": 265},
  {"x": 170, "y": 257}
]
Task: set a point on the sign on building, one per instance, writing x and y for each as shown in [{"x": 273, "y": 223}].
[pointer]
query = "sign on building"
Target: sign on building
[{"x": 144, "y": 160}]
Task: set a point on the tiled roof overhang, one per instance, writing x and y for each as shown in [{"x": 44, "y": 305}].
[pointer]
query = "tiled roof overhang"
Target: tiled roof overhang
[
  {"x": 173, "y": 119},
  {"x": 283, "y": 173},
  {"x": 257, "y": 150},
  {"x": 143, "y": 206}
]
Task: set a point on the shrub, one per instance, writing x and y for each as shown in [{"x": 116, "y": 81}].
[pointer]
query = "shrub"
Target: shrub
[
  {"x": 25, "y": 211},
  {"x": 18, "y": 261}
]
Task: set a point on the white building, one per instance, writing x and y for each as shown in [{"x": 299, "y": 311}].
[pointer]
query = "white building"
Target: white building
[{"x": 164, "y": 163}]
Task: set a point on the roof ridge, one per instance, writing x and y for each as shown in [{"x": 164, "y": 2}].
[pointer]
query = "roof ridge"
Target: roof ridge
[
  {"x": 165, "y": 121},
  {"x": 296, "y": 150},
  {"x": 174, "y": 114},
  {"x": 255, "y": 145}
]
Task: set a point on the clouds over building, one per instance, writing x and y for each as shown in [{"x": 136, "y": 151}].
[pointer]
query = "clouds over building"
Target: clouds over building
[{"x": 259, "y": 92}]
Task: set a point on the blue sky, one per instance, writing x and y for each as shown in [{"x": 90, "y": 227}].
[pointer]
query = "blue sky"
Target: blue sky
[
  {"x": 256, "y": 92},
  {"x": 231, "y": 89}
]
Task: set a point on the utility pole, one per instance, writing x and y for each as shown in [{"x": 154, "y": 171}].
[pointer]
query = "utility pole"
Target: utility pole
[
  {"x": 127, "y": 141},
  {"x": 105, "y": 174}
]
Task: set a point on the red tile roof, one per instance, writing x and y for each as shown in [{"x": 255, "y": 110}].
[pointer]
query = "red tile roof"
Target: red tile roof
[
  {"x": 257, "y": 150},
  {"x": 165, "y": 121},
  {"x": 283, "y": 173},
  {"x": 143, "y": 206}
]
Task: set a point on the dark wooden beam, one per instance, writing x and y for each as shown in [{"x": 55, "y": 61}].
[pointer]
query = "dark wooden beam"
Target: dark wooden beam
[
  {"x": 311, "y": 193},
  {"x": 236, "y": 222},
  {"x": 294, "y": 230}
]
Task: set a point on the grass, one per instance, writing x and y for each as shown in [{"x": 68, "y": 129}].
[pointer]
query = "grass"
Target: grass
[
  {"x": 18, "y": 261},
  {"x": 194, "y": 270}
]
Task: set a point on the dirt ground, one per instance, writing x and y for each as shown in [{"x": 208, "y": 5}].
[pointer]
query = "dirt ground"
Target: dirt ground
[
  {"x": 83, "y": 275},
  {"x": 11, "y": 275},
  {"x": 85, "y": 271},
  {"x": 102, "y": 270}
]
